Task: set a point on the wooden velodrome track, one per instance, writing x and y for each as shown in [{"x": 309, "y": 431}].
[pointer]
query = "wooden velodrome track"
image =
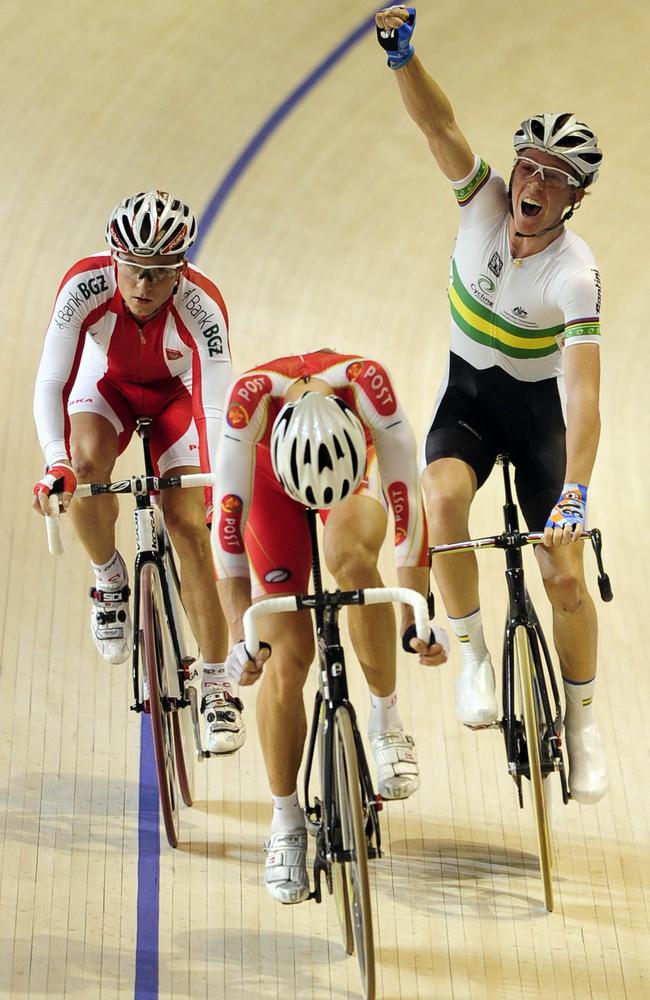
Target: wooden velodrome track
[{"x": 337, "y": 232}]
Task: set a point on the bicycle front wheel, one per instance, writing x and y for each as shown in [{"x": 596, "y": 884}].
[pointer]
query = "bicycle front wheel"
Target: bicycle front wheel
[
  {"x": 533, "y": 731},
  {"x": 184, "y": 746},
  {"x": 162, "y": 720},
  {"x": 355, "y": 845}
]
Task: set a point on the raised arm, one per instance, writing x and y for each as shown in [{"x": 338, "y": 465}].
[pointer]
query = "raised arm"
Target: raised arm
[{"x": 425, "y": 101}]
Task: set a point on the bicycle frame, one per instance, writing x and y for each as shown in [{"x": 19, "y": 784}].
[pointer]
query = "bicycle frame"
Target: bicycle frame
[{"x": 532, "y": 712}]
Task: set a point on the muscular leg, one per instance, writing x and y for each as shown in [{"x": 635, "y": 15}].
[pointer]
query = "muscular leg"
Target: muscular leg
[
  {"x": 93, "y": 447},
  {"x": 449, "y": 489},
  {"x": 354, "y": 533},
  {"x": 575, "y": 633},
  {"x": 281, "y": 719},
  {"x": 575, "y": 627},
  {"x": 185, "y": 519}
]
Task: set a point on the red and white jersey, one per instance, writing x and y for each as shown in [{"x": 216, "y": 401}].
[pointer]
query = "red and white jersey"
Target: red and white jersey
[
  {"x": 185, "y": 342},
  {"x": 253, "y": 403}
]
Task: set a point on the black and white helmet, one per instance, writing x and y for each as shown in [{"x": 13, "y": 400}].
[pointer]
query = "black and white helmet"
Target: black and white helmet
[
  {"x": 563, "y": 136},
  {"x": 318, "y": 450},
  {"x": 151, "y": 222}
]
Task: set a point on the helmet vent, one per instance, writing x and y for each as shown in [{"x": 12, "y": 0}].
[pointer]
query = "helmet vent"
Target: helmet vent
[
  {"x": 324, "y": 458},
  {"x": 294, "y": 465}
]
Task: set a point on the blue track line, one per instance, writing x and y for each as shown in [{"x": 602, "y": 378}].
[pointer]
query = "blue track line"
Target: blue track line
[
  {"x": 148, "y": 899},
  {"x": 146, "y": 949},
  {"x": 271, "y": 124}
]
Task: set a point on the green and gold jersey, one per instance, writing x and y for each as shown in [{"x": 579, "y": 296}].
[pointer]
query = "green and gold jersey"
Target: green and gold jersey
[{"x": 519, "y": 314}]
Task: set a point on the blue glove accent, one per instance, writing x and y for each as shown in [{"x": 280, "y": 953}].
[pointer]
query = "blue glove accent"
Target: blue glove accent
[
  {"x": 397, "y": 42},
  {"x": 571, "y": 508}
]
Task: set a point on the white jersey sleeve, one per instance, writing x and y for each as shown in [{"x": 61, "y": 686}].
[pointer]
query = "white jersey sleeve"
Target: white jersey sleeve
[
  {"x": 379, "y": 409},
  {"x": 202, "y": 321},
  {"x": 482, "y": 195},
  {"x": 580, "y": 298},
  {"x": 247, "y": 409},
  {"x": 85, "y": 292}
]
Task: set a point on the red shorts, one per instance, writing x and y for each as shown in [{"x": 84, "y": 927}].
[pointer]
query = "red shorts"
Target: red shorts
[
  {"x": 277, "y": 533},
  {"x": 174, "y": 437}
]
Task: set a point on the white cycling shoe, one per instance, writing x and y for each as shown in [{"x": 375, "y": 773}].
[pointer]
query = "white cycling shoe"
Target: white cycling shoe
[
  {"x": 285, "y": 869},
  {"x": 476, "y": 703},
  {"x": 397, "y": 763},
  {"x": 110, "y": 623},
  {"x": 588, "y": 773},
  {"x": 225, "y": 729}
]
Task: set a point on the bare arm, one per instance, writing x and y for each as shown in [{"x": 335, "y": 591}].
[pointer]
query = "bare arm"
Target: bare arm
[
  {"x": 582, "y": 379},
  {"x": 430, "y": 109}
]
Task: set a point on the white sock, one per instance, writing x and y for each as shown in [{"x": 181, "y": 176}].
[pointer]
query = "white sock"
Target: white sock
[
  {"x": 287, "y": 814},
  {"x": 579, "y": 696},
  {"x": 469, "y": 632},
  {"x": 111, "y": 575},
  {"x": 384, "y": 713},
  {"x": 214, "y": 675}
]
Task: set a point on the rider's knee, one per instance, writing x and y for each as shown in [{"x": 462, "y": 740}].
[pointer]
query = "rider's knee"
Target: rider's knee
[
  {"x": 565, "y": 591},
  {"x": 351, "y": 562},
  {"x": 186, "y": 526},
  {"x": 90, "y": 468},
  {"x": 288, "y": 668},
  {"x": 443, "y": 505}
]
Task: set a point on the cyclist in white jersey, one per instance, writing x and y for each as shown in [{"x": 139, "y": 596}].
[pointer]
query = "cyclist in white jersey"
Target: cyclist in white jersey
[
  {"x": 139, "y": 332},
  {"x": 523, "y": 378}
]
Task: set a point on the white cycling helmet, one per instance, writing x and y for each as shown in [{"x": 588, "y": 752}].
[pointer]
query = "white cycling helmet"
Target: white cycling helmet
[
  {"x": 565, "y": 137},
  {"x": 151, "y": 222},
  {"x": 318, "y": 450}
]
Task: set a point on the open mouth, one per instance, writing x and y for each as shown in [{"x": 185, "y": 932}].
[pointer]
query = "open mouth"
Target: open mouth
[{"x": 530, "y": 207}]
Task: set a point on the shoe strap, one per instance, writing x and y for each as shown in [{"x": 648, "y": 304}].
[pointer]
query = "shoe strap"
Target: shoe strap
[{"x": 109, "y": 596}]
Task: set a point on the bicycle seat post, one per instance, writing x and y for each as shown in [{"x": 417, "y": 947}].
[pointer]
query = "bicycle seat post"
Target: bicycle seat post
[
  {"x": 510, "y": 513},
  {"x": 315, "y": 561},
  {"x": 143, "y": 427}
]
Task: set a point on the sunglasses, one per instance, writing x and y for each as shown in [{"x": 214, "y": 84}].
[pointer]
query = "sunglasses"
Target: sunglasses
[
  {"x": 154, "y": 272},
  {"x": 553, "y": 177}
]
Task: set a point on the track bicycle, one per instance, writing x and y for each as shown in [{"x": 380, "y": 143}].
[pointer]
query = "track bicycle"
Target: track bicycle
[
  {"x": 532, "y": 711},
  {"x": 343, "y": 816},
  {"x": 161, "y": 664}
]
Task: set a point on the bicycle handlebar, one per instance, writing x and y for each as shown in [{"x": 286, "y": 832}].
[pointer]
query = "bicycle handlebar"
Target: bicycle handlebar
[
  {"x": 137, "y": 485},
  {"x": 53, "y": 526},
  {"x": 517, "y": 539},
  {"x": 338, "y": 598},
  {"x": 140, "y": 485}
]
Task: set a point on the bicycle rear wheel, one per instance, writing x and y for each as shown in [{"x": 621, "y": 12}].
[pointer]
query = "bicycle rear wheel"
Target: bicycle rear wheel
[
  {"x": 162, "y": 720},
  {"x": 353, "y": 829},
  {"x": 533, "y": 731}
]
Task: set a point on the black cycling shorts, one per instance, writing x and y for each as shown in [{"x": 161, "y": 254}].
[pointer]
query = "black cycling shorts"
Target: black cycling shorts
[{"x": 484, "y": 413}]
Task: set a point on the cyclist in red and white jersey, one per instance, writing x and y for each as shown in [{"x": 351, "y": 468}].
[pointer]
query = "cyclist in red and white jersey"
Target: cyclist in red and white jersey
[
  {"x": 523, "y": 378},
  {"x": 137, "y": 331},
  {"x": 346, "y": 406}
]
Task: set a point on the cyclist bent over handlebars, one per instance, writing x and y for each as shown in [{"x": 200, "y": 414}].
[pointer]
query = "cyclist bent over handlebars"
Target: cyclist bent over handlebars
[{"x": 331, "y": 428}]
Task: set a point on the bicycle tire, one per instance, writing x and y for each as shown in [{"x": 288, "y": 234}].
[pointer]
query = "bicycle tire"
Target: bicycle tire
[
  {"x": 162, "y": 725},
  {"x": 353, "y": 829},
  {"x": 184, "y": 747},
  {"x": 524, "y": 664},
  {"x": 338, "y": 882}
]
